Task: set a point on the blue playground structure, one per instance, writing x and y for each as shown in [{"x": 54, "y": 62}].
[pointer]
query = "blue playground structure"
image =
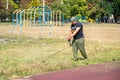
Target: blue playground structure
[{"x": 37, "y": 16}]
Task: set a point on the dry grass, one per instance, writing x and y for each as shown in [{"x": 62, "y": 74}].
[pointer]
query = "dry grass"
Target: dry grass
[{"x": 21, "y": 54}]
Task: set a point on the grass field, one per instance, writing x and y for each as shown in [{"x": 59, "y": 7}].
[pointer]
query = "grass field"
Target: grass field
[{"x": 21, "y": 54}]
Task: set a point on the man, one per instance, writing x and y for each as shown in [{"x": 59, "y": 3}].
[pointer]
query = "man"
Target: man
[{"x": 78, "y": 39}]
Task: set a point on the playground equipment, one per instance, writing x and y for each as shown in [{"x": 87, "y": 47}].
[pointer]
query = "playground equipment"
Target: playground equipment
[
  {"x": 58, "y": 18},
  {"x": 34, "y": 17},
  {"x": 37, "y": 16}
]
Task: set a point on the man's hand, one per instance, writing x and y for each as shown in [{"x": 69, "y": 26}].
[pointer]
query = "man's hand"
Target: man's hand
[{"x": 69, "y": 38}]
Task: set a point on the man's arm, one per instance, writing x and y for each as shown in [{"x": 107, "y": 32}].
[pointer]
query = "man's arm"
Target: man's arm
[{"x": 75, "y": 32}]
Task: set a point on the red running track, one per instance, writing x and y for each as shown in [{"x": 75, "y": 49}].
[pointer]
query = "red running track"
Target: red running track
[{"x": 106, "y": 71}]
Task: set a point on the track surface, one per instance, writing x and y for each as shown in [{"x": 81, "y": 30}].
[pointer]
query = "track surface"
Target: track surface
[{"x": 105, "y": 71}]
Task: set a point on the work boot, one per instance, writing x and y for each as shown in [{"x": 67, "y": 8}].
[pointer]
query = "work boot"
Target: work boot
[
  {"x": 83, "y": 58},
  {"x": 76, "y": 59}
]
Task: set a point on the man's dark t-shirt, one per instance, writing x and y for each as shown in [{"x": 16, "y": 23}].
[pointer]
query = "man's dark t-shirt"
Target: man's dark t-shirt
[{"x": 80, "y": 32}]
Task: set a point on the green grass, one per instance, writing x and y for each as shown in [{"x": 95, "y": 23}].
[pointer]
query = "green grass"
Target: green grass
[{"x": 22, "y": 56}]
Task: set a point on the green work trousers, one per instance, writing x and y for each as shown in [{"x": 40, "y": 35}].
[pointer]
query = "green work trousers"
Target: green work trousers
[{"x": 78, "y": 44}]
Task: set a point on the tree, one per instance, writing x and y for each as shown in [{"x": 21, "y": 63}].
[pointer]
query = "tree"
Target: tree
[
  {"x": 78, "y": 7},
  {"x": 70, "y": 7},
  {"x": 17, "y": 1},
  {"x": 90, "y": 8},
  {"x": 2, "y": 8},
  {"x": 107, "y": 7},
  {"x": 35, "y": 3},
  {"x": 116, "y": 9},
  {"x": 23, "y": 4}
]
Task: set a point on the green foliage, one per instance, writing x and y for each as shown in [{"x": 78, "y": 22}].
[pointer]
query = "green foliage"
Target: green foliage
[
  {"x": 17, "y": 1},
  {"x": 116, "y": 7},
  {"x": 107, "y": 7},
  {"x": 14, "y": 5},
  {"x": 74, "y": 7},
  {"x": 7, "y": 12},
  {"x": 78, "y": 7},
  {"x": 66, "y": 11},
  {"x": 68, "y": 7},
  {"x": 35, "y": 3},
  {"x": 55, "y": 6}
]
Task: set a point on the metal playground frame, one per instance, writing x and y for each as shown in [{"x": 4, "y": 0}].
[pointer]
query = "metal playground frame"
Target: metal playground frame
[
  {"x": 37, "y": 16},
  {"x": 33, "y": 16}
]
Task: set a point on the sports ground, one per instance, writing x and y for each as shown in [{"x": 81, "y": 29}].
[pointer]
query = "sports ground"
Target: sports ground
[{"x": 22, "y": 53}]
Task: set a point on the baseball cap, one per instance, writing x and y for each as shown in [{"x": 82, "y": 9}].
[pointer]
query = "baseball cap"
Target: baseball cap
[{"x": 73, "y": 19}]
